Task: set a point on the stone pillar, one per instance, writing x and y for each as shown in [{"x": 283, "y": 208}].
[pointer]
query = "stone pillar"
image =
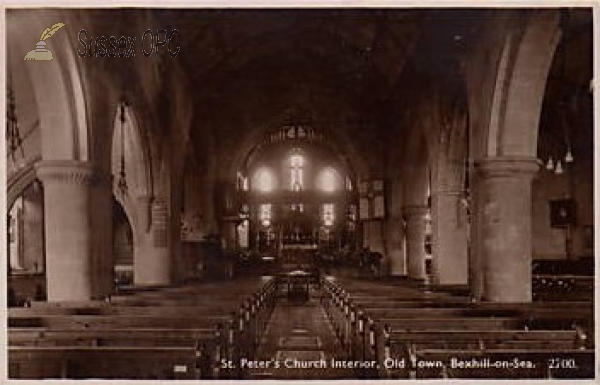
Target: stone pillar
[
  {"x": 152, "y": 265},
  {"x": 505, "y": 220},
  {"x": 394, "y": 240},
  {"x": 144, "y": 206},
  {"x": 476, "y": 269},
  {"x": 415, "y": 240},
  {"x": 33, "y": 228},
  {"x": 449, "y": 227},
  {"x": 373, "y": 234},
  {"x": 101, "y": 213},
  {"x": 67, "y": 228}
]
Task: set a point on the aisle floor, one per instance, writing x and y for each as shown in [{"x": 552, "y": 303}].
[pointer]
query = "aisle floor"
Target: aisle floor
[{"x": 300, "y": 343}]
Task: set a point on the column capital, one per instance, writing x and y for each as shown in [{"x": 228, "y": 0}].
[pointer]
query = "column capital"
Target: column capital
[
  {"x": 66, "y": 171},
  {"x": 415, "y": 210},
  {"x": 145, "y": 198},
  {"x": 158, "y": 203},
  {"x": 447, "y": 192},
  {"x": 508, "y": 166}
]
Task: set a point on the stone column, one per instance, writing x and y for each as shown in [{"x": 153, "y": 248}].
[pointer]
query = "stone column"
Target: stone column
[
  {"x": 476, "y": 269},
  {"x": 373, "y": 233},
  {"x": 415, "y": 240},
  {"x": 67, "y": 228},
  {"x": 33, "y": 228},
  {"x": 449, "y": 227},
  {"x": 144, "y": 206},
  {"x": 101, "y": 214},
  {"x": 394, "y": 236},
  {"x": 505, "y": 220},
  {"x": 152, "y": 265}
]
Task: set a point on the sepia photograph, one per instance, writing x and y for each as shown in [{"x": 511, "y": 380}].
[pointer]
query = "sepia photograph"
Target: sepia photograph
[{"x": 305, "y": 193}]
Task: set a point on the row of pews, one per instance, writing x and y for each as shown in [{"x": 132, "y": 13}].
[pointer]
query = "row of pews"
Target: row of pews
[
  {"x": 409, "y": 332},
  {"x": 167, "y": 333},
  {"x": 563, "y": 279}
]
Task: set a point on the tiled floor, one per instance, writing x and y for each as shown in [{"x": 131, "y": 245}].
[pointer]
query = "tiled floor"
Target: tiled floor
[{"x": 301, "y": 343}]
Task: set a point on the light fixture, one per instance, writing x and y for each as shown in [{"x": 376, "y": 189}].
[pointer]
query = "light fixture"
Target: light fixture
[
  {"x": 563, "y": 103},
  {"x": 558, "y": 170},
  {"x": 12, "y": 128},
  {"x": 569, "y": 156},
  {"x": 122, "y": 184}
]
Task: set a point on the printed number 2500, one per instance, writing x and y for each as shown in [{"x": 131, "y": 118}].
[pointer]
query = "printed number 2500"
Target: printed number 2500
[{"x": 562, "y": 363}]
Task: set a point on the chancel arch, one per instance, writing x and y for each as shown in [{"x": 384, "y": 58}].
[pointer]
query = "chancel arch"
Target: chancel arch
[{"x": 297, "y": 191}]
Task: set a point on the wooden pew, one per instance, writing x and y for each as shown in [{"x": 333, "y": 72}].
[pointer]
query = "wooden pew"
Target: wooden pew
[
  {"x": 156, "y": 320},
  {"x": 482, "y": 339},
  {"x": 63, "y": 332},
  {"x": 110, "y": 337},
  {"x": 28, "y": 362},
  {"x": 562, "y": 287},
  {"x": 415, "y": 322},
  {"x": 168, "y": 309}
]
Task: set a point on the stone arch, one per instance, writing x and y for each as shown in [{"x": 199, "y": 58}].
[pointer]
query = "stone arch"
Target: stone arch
[
  {"x": 137, "y": 168},
  {"x": 521, "y": 82},
  {"x": 345, "y": 148},
  {"x": 57, "y": 87},
  {"x": 18, "y": 183},
  {"x": 506, "y": 149}
]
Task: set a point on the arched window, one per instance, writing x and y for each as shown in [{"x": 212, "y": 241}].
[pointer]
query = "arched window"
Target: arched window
[
  {"x": 242, "y": 182},
  {"x": 265, "y": 214},
  {"x": 15, "y": 235},
  {"x": 264, "y": 180},
  {"x": 25, "y": 231},
  {"x": 329, "y": 180},
  {"x": 296, "y": 172},
  {"x": 328, "y": 214}
]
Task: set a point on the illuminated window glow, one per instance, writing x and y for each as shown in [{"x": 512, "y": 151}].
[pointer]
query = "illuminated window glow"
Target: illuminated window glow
[
  {"x": 297, "y": 161},
  {"x": 328, "y": 180},
  {"x": 264, "y": 180},
  {"x": 328, "y": 214},
  {"x": 265, "y": 214},
  {"x": 297, "y": 179},
  {"x": 242, "y": 182},
  {"x": 296, "y": 172},
  {"x": 298, "y": 207}
]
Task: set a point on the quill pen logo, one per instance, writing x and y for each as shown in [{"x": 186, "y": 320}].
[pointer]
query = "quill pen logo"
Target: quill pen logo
[{"x": 41, "y": 53}]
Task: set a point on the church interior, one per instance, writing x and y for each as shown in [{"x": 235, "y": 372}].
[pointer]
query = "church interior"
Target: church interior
[{"x": 262, "y": 194}]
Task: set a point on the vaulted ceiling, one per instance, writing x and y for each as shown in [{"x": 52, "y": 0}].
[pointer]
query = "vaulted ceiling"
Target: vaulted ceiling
[{"x": 256, "y": 69}]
